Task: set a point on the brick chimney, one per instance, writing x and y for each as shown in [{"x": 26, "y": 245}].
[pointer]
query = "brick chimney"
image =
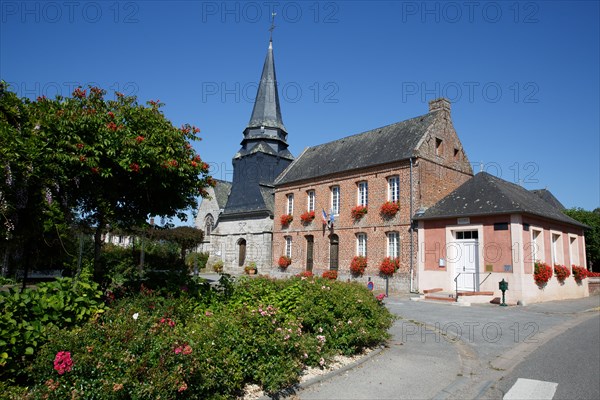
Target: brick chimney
[{"x": 439, "y": 104}]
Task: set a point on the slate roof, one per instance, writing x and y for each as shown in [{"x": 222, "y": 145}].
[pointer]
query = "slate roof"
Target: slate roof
[
  {"x": 266, "y": 111},
  {"x": 222, "y": 190},
  {"x": 547, "y": 196},
  {"x": 485, "y": 194},
  {"x": 390, "y": 143}
]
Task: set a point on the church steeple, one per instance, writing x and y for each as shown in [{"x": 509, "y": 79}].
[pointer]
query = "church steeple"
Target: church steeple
[
  {"x": 266, "y": 111},
  {"x": 263, "y": 156},
  {"x": 266, "y": 132}
]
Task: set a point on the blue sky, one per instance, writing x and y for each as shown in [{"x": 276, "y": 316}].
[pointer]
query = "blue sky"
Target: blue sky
[{"x": 523, "y": 77}]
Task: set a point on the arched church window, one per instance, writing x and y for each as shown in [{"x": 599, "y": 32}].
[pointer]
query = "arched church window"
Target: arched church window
[
  {"x": 209, "y": 223},
  {"x": 241, "y": 252}
]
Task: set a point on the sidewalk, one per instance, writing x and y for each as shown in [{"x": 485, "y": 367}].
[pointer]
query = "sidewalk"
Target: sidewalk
[{"x": 440, "y": 351}]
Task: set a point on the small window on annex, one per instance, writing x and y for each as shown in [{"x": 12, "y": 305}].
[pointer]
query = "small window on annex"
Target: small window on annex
[
  {"x": 363, "y": 193},
  {"x": 393, "y": 244},
  {"x": 288, "y": 246},
  {"x": 311, "y": 200},
  {"x": 290, "y": 204},
  {"x": 394, "y": 189},
  {"x": 361, "y": 244},
  {"x": 335, "y": 200}
]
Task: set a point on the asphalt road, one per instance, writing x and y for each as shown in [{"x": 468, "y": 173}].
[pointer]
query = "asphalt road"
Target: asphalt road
[{"x": 571, "y": 359}]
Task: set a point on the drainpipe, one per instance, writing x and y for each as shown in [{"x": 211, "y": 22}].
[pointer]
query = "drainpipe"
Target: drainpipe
[{"x": 411, "y": 279}]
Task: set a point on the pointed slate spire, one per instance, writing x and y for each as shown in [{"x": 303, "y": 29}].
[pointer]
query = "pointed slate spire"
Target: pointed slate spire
[{"x": 266, "y": 112}]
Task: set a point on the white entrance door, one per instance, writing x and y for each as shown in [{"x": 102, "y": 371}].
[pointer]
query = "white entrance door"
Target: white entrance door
[{"x": 466, "y": 260}]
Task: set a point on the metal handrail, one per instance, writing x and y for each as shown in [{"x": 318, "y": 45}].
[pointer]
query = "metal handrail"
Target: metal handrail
[
  {"x": 467, "y": 273},
  {"x": 485, "y": 278}
]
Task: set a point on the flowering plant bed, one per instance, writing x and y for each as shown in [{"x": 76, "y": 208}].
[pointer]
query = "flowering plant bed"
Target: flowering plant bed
[
  {"x": 389, "y": 209},
  {"x": 388, "y": 266},
  {"x": 331, "y": 274},
  {"x": 561, "y": 272},
  {"x": 542, "y": 273},
  {"x": 286, "y": 219},
  {"x": 153, "y": 338},
  {"x": 358, "y": 212},
  {"x": 305, "y": 274},
  {"x": 579, "y": 273},
  {"x": 358, "y": 265},
  {"x": 284, "y": 261},
  {"x": 592, "y": 274},
  {"x": 307, "y": 217}
]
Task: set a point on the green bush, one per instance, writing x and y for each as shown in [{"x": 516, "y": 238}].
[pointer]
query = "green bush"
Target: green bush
[
  {"x": 209, "y": 343},
  {"x": 26, "y": 317},
  {"x": 192, "y": 258}
]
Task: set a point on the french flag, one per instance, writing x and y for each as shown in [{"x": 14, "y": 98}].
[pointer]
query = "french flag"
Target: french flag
[{"x": 324, "y": 217}]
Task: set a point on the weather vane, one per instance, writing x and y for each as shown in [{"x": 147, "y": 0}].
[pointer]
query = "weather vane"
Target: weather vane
[{"x": 272, "y": 25}]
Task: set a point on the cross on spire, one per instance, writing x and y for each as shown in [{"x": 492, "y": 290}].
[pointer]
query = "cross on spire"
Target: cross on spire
[{"x": 272, "y": 28}]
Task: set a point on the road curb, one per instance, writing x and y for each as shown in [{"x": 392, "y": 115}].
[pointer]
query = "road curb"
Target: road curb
[{"x": 312, "y": 381}]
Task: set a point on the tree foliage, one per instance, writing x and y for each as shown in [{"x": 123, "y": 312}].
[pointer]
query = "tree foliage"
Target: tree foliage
[
  {"x": 592, "y": 235},
  {"x": 107, "y": 162},
  {"x": 186, "y": 237}
]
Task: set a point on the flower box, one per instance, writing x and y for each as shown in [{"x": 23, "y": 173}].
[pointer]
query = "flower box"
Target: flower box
[
  {"x": 331, "y": 274},
  {"x": 358, "y": 212},
  {"x": 541, "y": 273},
  {"x": 561, "y": 272},
  {"x": 388, "y": 266},
  {"x": 307, "y": 217},
  {"x": 389, "y": 209},
  {"x": 305, "y": 274},
  {"x": 284, "y": 262},
  {"x": 286, "y": 219},
  {"x": 358, "y": 265},
  {"x": 579, "y": 273}
]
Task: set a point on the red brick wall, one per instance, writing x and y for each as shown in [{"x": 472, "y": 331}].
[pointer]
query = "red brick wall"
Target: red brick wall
[
  {"x": 372, "y": 224},
  {"x": 435, "y": 174}
]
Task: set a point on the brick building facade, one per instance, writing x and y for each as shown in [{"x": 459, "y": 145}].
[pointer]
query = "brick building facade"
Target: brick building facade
[{"x": 413, "y": 163}]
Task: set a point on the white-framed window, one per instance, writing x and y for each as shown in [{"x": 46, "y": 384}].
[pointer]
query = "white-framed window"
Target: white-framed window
[
  {"x": 335, "y": 200},
  {"x": 290, "y": 204},
  {"x": 537, "y": 245},
  {"x": 393, "y": 244},
  {"x": 288, "y": 246},
  {"x": 361, "y": 244},
  {"x": 311, "y": 200},
  {"x": 363, "y": 193},
  {"x": 557, "y": 253},
  {"x": 394, "y": 189},
  {"x": 573, "y": 250}
]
